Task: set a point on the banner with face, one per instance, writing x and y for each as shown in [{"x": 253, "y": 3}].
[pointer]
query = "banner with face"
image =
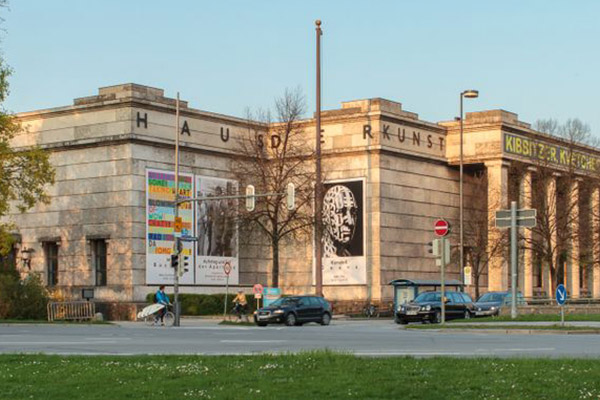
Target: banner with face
[{"x": 343, "y": 233}]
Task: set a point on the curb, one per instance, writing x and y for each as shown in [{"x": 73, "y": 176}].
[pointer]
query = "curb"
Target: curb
[{"x": 512, "y": 331}]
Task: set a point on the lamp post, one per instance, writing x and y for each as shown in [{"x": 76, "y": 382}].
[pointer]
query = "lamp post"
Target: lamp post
[
  {"x": 469, "y": 94},
  {"x": 318, "y": 177}
]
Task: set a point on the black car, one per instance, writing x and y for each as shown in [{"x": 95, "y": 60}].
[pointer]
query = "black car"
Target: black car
[
  {"x": 295, "y": 310},
  {"x": 490, "y": 303},
  {"x": 427, "y": 307}
]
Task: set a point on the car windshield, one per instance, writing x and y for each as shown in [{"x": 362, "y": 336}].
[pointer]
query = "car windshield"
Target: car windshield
[
  {"x": 492, "y": 297},
  {"x": 427, "y": 297},
  {"x": 283, "y": 301}
]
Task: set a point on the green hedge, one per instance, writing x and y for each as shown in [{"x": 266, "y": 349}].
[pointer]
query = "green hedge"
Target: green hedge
[
  {"x": 206, "y": 304},
  {"x": 22, "y": 299}
]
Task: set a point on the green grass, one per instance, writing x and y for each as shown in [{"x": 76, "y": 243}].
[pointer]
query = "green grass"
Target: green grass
[
  {"x": 534, "y": 318},
  {"x": 317, "y": 375},
  {"x": 507, "y": 327}
]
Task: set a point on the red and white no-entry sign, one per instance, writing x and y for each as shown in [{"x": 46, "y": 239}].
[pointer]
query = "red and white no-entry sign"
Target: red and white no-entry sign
[{"x": 441, "y": 227}]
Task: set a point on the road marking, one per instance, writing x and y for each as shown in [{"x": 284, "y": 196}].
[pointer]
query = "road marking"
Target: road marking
[
  {"x": 533, "y": 349},
  {"x": 253, "y": 341},
  {"x": 57, "y": 343}
]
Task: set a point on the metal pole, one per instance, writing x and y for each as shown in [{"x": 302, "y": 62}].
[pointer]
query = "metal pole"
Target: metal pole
[
  {"x": 318, "y": 178},
  {"x": 513, "y": 258},
  {"x": 226, "y": 295},
  {"x": 460, "y": 194},
  {"x": 176, "y": 241},
  {"x": 562, "y": 315},
  {"x": 443, "y": 263}
]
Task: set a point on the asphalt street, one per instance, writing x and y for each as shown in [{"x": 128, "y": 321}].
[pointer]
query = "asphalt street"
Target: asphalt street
[{"x": 365, "y": 338}]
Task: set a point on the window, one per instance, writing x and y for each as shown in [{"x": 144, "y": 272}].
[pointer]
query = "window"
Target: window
[
  {"x": 51, "y": 249},
  {"x": 99, "y": 260},
  {"x": 466, "y": 298}
]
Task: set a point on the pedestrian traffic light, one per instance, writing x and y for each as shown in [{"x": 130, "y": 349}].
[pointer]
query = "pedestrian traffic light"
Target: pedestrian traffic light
[
  {"x": 175, "y": 261},
  {"x": 250, "y": 199},
  {"x": 183, "y": 268}
]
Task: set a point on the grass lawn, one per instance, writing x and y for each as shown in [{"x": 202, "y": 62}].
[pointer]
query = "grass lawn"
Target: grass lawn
[
  {"x": 556, "y": 327},
  {"x": 317, "y": 375},
  {"x": 534, "y": 317}
]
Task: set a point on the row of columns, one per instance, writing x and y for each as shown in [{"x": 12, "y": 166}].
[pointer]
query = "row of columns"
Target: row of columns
[{"x": 498, "y": 176}]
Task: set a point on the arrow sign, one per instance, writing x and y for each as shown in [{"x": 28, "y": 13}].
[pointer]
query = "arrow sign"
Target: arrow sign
[{"x": 561, "y": 294}]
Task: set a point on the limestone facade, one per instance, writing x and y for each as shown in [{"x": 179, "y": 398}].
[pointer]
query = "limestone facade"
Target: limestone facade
[{"x": 102, "y": 146}]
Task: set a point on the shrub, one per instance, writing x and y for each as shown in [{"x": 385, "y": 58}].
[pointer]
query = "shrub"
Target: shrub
[
  {"x": 22, "y": 299},
  {"x": 206, "y": 304}
]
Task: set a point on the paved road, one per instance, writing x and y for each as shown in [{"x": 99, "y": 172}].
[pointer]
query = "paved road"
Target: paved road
[{"x": 367, "y": 338}]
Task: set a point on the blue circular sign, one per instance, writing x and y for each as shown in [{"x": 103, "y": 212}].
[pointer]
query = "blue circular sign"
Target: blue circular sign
[{"x": 561, "y": 294}]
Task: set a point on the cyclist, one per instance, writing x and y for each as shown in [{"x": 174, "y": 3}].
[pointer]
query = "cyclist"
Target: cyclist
[
  {"x": 240, "y": 304},
  {"x": 161, "y": 298}
]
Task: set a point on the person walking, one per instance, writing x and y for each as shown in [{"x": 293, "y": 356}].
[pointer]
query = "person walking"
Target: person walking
[{"x": 161, "y": 298}]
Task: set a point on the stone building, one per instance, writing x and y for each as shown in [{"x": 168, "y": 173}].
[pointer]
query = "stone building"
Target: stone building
[{"x": 113, "y": 153}]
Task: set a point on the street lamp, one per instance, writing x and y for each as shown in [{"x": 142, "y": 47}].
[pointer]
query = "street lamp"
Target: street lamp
[{"x": 469, "y": 94}]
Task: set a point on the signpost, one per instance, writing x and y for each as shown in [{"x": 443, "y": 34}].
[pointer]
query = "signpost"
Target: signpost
[
  {"x": 561, "y": 298},
  {"x": 257, "y": 290},
  {"x": 513, "y": 219},
  {"x": 441, "y": 249},
  {"x": 227, "y": 270}
]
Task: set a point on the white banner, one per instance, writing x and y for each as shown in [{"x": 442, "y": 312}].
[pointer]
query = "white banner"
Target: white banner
[{"x": 216, "y": 231}]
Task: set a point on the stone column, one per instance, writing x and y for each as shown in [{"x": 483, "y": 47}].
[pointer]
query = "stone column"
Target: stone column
[
  {"x": 595, "y": 216},
  {"x": 551, "y": 197},
  {"x": 497, "y": 174},
  {"x": 573, "y": 273},
  {"x": 526, "y": 202}
]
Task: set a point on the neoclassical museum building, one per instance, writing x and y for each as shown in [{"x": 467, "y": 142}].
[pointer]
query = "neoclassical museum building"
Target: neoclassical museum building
[{"x": 110, "y": 223}]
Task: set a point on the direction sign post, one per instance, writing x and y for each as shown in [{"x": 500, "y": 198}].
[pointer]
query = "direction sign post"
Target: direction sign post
[
  {"x": 561, "y": 298},
  {"x": 513, "y": 219},
  {"x": 257, "y": 290}
]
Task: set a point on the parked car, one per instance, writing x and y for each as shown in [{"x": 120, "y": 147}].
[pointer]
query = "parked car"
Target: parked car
[
  {"x": 490, "y": 303},
  {"x": 427, "y": 307},
  {"x": 295, "y": 310}
]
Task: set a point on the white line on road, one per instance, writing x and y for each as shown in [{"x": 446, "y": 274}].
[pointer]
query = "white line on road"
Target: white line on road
[
  {"x": 253, "y": 341},
  {"x": 533, "y": 349},
  {"x": 56, "y": 343}
]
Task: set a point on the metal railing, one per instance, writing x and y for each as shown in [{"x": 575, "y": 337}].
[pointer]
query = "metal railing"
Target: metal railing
[{"x": 71, "y": 310}]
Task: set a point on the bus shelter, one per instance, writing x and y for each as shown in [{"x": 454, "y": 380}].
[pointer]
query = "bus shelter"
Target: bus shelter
[{"x": 407, "y": 289}]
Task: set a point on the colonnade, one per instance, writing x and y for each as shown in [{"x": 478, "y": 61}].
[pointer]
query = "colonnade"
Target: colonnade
[{"x": 498, "y": 174}]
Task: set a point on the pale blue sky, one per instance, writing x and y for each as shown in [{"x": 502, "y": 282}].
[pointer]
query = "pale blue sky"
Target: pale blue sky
[{"x": 539, "y": 59}]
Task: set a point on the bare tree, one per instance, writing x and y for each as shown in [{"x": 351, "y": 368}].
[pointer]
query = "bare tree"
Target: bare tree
[
  {"x": 557, "y": 168},
  {"x": 273, "y": 154},
  {"x": 480, "y": 246}
]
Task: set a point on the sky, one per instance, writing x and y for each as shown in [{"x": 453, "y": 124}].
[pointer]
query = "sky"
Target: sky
[{"x": 536, "y": 58}]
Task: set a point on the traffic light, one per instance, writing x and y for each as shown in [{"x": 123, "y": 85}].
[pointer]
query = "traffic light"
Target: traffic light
[
  {"x": 250, "y": 199},
  {"x": 434, "y": 247},
  {"x": 175, "y": 261},
  {"x": 183, "y": 267},
  {"x": 291, "y": 196}
]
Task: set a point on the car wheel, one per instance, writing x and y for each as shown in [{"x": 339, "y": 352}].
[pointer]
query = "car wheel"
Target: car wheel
[
  {"x": 261, "y": 323},
  {"x": 437, "y": 317},
  {"x": 290, "y": 320},
  {"x": 467, "y": 314},
  {"x": 326, "y": 319}
]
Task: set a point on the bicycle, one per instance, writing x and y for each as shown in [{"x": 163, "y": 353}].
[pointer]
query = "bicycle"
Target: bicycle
[
  {"x": 167, "y": 320},
  {"x": 371, "y": 311},
  {"x": 238, "y": 313}
]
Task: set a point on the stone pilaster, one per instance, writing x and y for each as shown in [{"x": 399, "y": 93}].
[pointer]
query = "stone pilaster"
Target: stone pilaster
[
  {"x": 497, "y": 174},
  {"x": 573, "y": 271},
  {"x": 595, "y": 216},
  {"x": 526, "y": 283}
]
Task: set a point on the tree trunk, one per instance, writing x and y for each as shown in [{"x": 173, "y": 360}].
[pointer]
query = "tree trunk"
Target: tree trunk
[
  {"x": 476, "y": 279},
  {"x": 275, "y": 253}
]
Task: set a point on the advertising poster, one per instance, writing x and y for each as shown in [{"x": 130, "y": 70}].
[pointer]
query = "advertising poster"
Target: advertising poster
[
  {"x": 344, "y": 261},
  {"x": 160, "y": 220},
  {"x": 216, "y": 231}
]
